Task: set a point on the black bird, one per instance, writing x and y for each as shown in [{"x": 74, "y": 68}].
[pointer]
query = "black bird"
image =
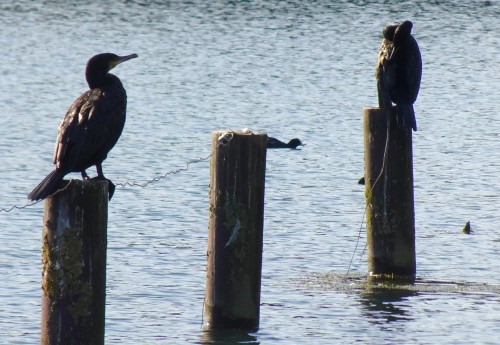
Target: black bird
[
  {"x": 273, "y": 143},
  {"x": 383, "y": 89},
  {"x": 401, "y": 72},
  {"x": 91, "y": 126}
]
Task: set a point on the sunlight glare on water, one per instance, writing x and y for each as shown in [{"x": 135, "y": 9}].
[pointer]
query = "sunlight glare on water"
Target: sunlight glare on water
[{"x": 288, "y": 68}]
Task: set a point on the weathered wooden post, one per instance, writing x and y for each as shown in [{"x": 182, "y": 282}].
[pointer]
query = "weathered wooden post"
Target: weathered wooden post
[
  {"x": 235, "y": 231},
  {"x": 390, "y": 215},
  {"x": 74, "y": 264}
]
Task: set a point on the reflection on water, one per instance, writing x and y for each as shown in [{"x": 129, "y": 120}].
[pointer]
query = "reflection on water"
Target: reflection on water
[
  {"x": 227, "y": 337},
  {"x": 292, "y": 69},
  {"x": 387, "y": 305}
]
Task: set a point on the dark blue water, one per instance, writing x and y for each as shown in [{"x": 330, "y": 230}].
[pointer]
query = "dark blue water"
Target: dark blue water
[{"x": 291, "y": 69}]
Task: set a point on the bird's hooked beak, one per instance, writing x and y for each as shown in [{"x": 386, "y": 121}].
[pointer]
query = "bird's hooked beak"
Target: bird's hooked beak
[{"x": 121, "y": 59}]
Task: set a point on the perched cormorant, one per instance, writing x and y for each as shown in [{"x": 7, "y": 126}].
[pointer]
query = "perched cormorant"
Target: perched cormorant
[
  {"x": 91, "y": 126},
  {"x": 403, "y": 74},
  {"x": 273, "y": 143}
]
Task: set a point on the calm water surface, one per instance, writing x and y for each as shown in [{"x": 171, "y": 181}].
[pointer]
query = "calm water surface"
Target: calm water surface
[{"x": 291, "y": 69}]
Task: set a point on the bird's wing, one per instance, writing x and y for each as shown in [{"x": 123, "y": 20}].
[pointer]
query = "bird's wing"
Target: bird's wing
[
  {"x": 73, "y": 130},
  {"x": 272, "y": 141},
  {"x": 413, "y": 69}
]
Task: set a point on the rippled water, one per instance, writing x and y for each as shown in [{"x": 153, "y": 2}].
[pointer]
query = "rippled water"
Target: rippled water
[{"x": 292, "y": 69}]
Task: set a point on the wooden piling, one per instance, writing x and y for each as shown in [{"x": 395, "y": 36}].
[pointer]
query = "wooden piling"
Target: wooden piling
[
  {"x": 236, "y": 217},
  {"x": 74, "y": 264},
  {"x": 390, "y": 215}
]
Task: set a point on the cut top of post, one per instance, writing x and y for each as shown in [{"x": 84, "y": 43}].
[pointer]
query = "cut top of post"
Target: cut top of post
[{"x": 227, "y": 135}]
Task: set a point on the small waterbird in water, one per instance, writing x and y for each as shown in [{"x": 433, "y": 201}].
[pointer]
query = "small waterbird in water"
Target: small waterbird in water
[
  {"x": 466, "y": 229},
  {"x": 399, "y": 73},
  {"x": 91, "y": 126},
  {"x": 273, "y": 143}
]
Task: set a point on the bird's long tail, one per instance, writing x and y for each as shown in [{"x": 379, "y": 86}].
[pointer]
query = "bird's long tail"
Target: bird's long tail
[
  {"x": 406, "y": 116},
  {"x": 48, "y": 186}
]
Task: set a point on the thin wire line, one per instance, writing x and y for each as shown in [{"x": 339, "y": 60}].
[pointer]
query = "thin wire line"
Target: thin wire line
[
  {"x": 384, "y": 160},
  {"x": 224, "y": 139},
  {"x": 10, "y": 209},
  {"x": 176, "y": 171}
]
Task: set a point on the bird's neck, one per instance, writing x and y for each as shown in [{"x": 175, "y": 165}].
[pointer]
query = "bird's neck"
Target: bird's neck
[{"x": 99, "y": 81}]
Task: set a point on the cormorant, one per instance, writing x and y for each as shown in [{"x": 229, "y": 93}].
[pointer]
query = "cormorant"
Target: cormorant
[
  {"x": 403, "y": 74},
  {"x": 273, "y": 143},
  {"x": 91, "y": 126}
]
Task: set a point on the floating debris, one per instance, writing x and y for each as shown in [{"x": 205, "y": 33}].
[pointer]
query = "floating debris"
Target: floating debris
[{"x": 356, "y": 283}]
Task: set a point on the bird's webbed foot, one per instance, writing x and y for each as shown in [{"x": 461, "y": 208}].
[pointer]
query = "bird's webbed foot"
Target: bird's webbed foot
[
  {"x": 100, "y": 176},
  {"x": 111, "y": 189},
  {"x": 111, "y": 185}
]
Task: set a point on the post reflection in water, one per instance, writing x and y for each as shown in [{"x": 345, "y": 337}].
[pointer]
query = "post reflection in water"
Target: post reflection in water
[
  {"x": 384, "y": 305},
  {"x": 227, "y": 337}
]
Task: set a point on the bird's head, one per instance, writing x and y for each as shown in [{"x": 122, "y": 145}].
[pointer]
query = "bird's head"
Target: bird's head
[
  {"x": 389, "y": 31},
  {"x": 402, "y": 32},
  {"x": 295, "y": 142},
  {"x": 99, "y": 65}
]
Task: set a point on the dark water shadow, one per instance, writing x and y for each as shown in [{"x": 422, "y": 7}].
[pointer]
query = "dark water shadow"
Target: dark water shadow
[
  {"x": 387, "y": 300},
  {"x": 386, "y": 305},
  {"x": 361, "y": 284},
  {"x": 227, "y": 337}
]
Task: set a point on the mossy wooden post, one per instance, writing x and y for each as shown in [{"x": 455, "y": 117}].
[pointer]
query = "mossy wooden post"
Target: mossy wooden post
[
  {"x": 235, "y": 231},
  {"x": 390, "y": 215},
  {"x": 74, "y": 264}
]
